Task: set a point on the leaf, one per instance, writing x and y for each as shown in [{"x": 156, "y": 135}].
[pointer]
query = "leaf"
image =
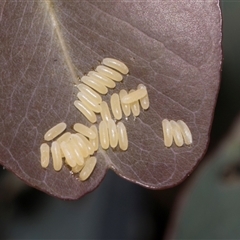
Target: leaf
[{"x": 173, "y": 48}]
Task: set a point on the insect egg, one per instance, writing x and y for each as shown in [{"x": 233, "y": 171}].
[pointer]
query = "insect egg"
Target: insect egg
[
  {"x": 77, "y": 168},
  {"x": 94, "y": 141},
  {"x": 134, "y": 96},
  {"x": 77, "y": 152},
  {"x": 167, "y": 133},
  {"x": 89, "y": 92},
  {"x": 135, "y": 107},
  {"x": 177, "y": 134},
  {"x": 186, "y": 133},
  {"x": 55, "y": 131},
  {"x": 82, "y": 146},
  {"x": 103, "y": 135},
  {"x": 68, "y": 154},
  {"x": 45, "y": 155},
  {"x": 89, "y": 102},
  {"x": 96, "y": 85},
  {"x": 103, "y": 79},
  {"x": 115, "y": 64},
  {"x": 88, "y": 168},
  {"x": 56, "y": 156},
  {"x": 125, "y": 107},
  {"x": 145, "y": 100},
  {"x": 115, "y": 106},
  {"x": 122, "y": 136},
  {"x": 113, "y": 134},
  {"x": 105, "y": 113},
  {"x": 88, "y": 113},
  {"x": 87, "y": 143},
  {"x": 65, "y": 137},
  {"x": 84, "y": 130},
  {"x": 108, "y": 72}
]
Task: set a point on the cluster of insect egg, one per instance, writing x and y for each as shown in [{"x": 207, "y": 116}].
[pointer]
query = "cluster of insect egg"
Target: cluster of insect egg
[
  {"x": 76, "y": 149},
  {"x": 97, "y": 82},
  {"x": 177, "y": 131}
]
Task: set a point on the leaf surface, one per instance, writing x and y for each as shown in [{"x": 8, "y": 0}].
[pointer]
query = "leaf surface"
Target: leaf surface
[{"x": 172, "y": 48}]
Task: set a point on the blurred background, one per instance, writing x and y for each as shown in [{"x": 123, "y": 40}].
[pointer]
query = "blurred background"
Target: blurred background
[{"x": 205, "y": 206}]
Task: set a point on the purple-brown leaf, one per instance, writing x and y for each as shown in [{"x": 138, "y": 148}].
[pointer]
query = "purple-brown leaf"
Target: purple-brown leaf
[{"x": 174, "y": 48}]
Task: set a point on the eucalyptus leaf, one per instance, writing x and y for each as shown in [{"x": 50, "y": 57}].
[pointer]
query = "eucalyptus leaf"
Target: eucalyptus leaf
[{"x": 173, "y": 48}]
